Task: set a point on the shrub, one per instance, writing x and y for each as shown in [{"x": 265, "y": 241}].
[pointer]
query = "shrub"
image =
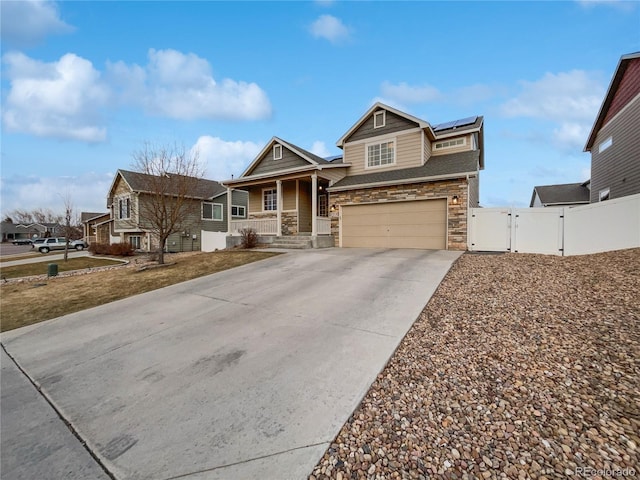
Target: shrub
[
  {"x": 117, "y": 249},
  {"x": 249, "y": 238}
]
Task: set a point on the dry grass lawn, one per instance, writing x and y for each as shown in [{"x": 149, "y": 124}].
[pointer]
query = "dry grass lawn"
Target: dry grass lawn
[
  {"x": 40, "y": 268},
  {"x": 32, "y": 302}
]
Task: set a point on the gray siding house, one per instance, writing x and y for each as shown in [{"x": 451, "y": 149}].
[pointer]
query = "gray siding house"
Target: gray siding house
[
  {"x": 563, "y": 195},
  {"x": 614, "y": 141},
  {"x": 206, "y": 209}
]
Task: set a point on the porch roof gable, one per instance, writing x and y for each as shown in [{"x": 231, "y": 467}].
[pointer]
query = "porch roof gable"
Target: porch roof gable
[{"x": 284, "y": 173}]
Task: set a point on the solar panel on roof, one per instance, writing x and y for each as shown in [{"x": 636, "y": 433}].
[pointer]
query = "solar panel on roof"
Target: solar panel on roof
[{"x": 455, "y": 123}]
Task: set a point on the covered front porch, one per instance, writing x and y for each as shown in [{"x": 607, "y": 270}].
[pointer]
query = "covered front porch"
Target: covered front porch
[{"x": 290, "y": 206}]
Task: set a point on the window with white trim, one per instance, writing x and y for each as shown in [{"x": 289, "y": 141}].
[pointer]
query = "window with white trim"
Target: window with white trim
[
  {"x": 212, "y": 211},
  {"x": 238, "y": 211},
  {"x": 604, "y": 194},
  {"x": 124, "y": 208},
  {"x": 606, "y": 143},
  {"x": 379, "y": 119},
  {"x": 381, "y": 154},
  {"x": 454, "y": 142},
  {"x": 134, "y": 240},
  {"x": 277, "y": 152},
  {"x": 269, "y": 199}
]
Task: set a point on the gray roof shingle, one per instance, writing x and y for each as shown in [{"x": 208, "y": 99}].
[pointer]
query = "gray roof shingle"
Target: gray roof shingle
[
  {"x": 203, "y": 188},
  {"x": 561, "y": 194},
  {"x": 437, "y": 166}
]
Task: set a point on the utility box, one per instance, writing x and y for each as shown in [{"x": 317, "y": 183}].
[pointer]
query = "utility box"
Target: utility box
[{"x": 52, "y": 270}]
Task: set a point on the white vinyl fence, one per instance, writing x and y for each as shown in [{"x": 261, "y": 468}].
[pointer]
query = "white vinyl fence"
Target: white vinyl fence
[
  {"x": 212, "y": 241},
  {"x": 597, "y": 227}
]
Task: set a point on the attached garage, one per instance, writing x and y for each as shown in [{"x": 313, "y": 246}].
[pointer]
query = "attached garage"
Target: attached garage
[{"x": 410, "y": 224}]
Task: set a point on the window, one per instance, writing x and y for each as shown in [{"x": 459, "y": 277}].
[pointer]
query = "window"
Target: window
[
  {"x": 124, "y": 208},
  {"x": 134, "y": 240},
  {"x": 379, "y": 119},
  {"x": 605, "y": 144},
  {"x": 211, "y": 211},
  {"x": 277, "y": 152},
  {"x": 604, "y": 194},
  {"x": 451, "y": 143},
  {"x": 238, "y": 211},
  {"x": 269, "y": 199},
  {"x": 380, "y": 154},
  {"x": 323, "y": 206}
]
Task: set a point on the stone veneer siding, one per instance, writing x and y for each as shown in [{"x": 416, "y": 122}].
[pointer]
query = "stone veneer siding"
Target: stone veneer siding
[
  {"x": 456, "y": 214},
  {"x": 289, "y": 223}
]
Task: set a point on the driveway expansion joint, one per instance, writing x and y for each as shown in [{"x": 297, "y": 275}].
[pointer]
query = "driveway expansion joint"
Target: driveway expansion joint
[
  {"x": 58, "y": 413},
  {"x": 241, "y": 462}
]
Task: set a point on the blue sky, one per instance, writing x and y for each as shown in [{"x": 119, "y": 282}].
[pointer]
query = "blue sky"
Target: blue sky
[{"x": 84, "y": 84}]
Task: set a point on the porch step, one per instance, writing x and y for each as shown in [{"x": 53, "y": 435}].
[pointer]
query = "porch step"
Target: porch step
[{"x": 291, "y": 242}]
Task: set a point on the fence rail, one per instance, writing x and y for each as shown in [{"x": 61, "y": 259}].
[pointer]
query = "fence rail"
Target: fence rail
[{"x": 262, "y": 226}]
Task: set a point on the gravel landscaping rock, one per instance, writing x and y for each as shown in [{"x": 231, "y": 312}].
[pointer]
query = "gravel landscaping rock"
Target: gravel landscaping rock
[{"x": 521, "y": 366}]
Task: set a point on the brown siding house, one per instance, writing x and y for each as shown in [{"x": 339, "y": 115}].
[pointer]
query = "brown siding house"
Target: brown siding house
[{"x": 614, "y": 139}]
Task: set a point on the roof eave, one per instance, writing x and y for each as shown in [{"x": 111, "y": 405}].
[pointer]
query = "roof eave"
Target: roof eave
[{"x": 264, "y": 176}]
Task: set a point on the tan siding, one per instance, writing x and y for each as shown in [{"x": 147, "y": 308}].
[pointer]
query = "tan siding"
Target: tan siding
[
  {"x": 427, "y": 148},
  {"x": 304, "y": 212},
  {"x": 446, "y": 151},
  {"x": 618, "y": 167},
  {"x": 289, "y": 195},
  {"x": 408, "y": 154},
  {"x": 255, "y": 199},
  {"x": 333, "y": 175}
]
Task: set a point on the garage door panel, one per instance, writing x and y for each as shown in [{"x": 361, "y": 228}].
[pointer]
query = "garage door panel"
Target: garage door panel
[{"x": 410, "y": 224}]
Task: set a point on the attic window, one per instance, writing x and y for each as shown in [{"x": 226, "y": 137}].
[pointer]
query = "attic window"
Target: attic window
[
  {"x": 379, "y": 119},
  {"x": 277, "y": 152},
  {"x": 451, "y": 143},
  {"x": 605, "y": 144}
]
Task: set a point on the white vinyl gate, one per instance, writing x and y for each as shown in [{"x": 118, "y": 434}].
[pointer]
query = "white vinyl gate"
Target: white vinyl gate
[
  {"x": 593, "y": 228},
  {"x": 523, "y": 230}
]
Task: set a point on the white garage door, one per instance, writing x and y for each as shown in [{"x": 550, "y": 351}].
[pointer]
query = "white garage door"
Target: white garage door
[{"x": 414, "y": 224}]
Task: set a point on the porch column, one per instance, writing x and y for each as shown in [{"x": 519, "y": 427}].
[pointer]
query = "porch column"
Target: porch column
[
  {"x": 279, "y": 206},
  {"x": 229, "y": 201},
  {"x": 314, "y": 204}
]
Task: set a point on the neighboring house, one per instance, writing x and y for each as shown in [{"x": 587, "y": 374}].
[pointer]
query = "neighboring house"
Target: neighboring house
[
  {"x": 96, "y": 227},
  {"x": 208, "y": 211},
  {"x": 614, "y": 139},
  {"x": 564, "y": 195},
  {"x": 401, "y": 183},
  {"x": 17, "y": 231}
]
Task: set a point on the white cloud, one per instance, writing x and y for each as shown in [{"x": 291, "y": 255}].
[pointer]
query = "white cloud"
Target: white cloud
[
  {"x": 329, "y": 28},
  {"x": 88, "y": 192},
  {"x": 403, "y": 93},
  {"x": 27, "y": 22},
  {"x": 570, "y": 100},
  {"x": 320, "y": 148},
  {"x": 224, "y": 159},
  {"x": 60, "y": 99},
  {"x": 624, "y": 5},
  {"x": 181, "y": 86}
]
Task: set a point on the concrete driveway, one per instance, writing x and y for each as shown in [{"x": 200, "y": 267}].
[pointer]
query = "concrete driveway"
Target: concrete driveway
[{"x": 248, "y": 373}]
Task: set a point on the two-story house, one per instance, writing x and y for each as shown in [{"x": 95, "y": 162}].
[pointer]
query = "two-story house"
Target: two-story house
[
  {"x": 614, "y": 141},
  {"x": 207, "y": 209},
  {"x": 401, "y": 183}
]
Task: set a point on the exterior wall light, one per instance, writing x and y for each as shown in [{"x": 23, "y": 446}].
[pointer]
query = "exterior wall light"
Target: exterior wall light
[
  {"x": 455, "y": 199},
  {"x": 333, "y": 207}
]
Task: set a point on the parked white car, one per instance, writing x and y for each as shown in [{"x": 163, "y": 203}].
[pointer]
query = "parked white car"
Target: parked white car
[{"x": 45, "y": 245}]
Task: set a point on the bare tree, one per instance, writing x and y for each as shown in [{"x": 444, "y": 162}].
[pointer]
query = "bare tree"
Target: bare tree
[
  {"x": 69, "y": 224},
  {"x": 38, "y": 215},
  {"x": 171, "y": 178}
]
